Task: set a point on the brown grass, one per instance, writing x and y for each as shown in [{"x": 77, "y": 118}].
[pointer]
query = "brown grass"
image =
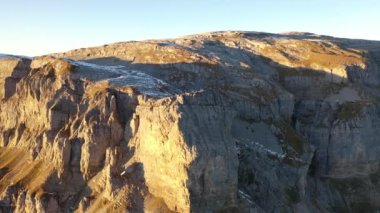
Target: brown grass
[
  {"x": 312, "y": 54},
  {"x": 20, "y": 169},
  {"x": 95, "y": 88}
]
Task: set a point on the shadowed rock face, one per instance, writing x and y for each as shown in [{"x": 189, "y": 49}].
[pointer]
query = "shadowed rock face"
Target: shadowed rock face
[{"x": 217, "y": 122}]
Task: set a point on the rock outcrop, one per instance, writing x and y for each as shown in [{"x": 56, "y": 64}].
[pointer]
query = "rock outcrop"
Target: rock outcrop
[{"x": 217, "y": 122}]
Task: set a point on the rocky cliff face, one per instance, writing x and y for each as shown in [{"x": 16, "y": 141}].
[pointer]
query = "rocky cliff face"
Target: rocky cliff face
[{"x": 218, "y": 122}]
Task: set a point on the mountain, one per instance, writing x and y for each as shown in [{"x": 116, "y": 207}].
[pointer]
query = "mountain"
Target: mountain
[{"x": 217, "y": 122}]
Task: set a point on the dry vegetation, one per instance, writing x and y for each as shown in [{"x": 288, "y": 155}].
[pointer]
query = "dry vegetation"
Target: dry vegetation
[{"x": 19, "y": 169}]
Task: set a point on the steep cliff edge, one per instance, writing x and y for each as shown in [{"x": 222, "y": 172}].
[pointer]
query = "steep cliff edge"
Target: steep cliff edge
[{"x": 217, "y": 122}]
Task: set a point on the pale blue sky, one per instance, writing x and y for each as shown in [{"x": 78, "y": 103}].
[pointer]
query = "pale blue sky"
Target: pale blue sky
[{"x": 43, "y": 26}]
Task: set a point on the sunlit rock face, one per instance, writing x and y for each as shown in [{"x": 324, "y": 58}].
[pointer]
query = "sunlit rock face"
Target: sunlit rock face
[{"x": 216, "y": 122}]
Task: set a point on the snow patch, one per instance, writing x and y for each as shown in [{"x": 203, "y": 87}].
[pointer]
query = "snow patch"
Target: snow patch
[
  {"x": 120, "y": 76},
  {"x": 259, "y": 147},
  {"x": 246, "y": 197}
]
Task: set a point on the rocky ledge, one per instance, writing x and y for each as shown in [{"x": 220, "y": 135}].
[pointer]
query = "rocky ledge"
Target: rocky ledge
[{"x": 216, "y": 122}]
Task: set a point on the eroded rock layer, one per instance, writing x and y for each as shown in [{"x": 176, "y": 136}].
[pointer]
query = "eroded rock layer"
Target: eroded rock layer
[{"x": 217, "y": 122}]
